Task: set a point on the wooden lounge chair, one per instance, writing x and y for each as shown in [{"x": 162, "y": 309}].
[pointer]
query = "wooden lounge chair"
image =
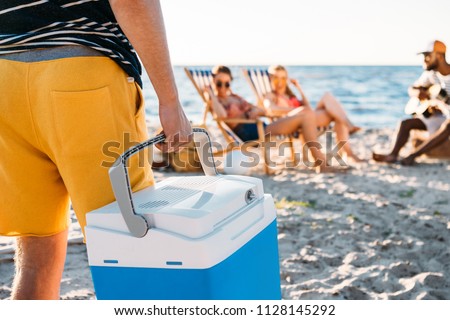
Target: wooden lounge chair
[
  {"x": 259, "y": 81},
  {"x": 202, "y": 79}
]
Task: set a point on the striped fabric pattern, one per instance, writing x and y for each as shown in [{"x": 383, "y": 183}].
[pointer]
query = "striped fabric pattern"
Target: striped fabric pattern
[
  {"x": 27, "y": 25},
  {"x": 445, "y": 82}
]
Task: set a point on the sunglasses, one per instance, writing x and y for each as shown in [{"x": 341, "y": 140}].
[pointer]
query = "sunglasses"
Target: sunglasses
[
  {"x": 277, "y": 79},
  {"x": 219, "y": 84}
]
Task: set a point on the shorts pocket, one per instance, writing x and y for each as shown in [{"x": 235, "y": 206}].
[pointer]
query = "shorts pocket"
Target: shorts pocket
[
  {"x": 84, "y": 121},
  {"x": 139, "y": 116}
]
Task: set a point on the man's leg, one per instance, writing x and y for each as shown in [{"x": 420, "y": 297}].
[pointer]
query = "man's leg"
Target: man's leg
[
  {"x": 39, "y": 267},
  {"x": 402, "y": 138},
  {"x": 438, "y": 138}
]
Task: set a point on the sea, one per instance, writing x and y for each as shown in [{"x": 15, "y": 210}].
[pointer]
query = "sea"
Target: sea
[{"x": 373, "y": 96}]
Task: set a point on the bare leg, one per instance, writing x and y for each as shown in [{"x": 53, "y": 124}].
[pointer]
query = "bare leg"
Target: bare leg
[
  {"x": 323, "y": 118},
  {"x": 342, "y": 132},
  {"x": 438, "y": 138},
  {"x": 304, "y": 119},
  {"x": 301, "y": 118},
  {"x": 402, "y": 138},
  {"x": 336, "y": 111},
  {"x": 39, "y": 267}
]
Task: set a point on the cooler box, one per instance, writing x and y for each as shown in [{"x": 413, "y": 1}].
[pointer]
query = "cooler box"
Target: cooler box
[{"x": 194, "y": 237}]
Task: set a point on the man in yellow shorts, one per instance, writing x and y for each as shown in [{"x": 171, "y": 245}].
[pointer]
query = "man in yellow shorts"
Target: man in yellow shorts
[{"x": 70, "y": 87}]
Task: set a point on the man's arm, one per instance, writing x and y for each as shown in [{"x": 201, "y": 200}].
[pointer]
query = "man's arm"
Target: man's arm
[{"x": 142, "y": 22}]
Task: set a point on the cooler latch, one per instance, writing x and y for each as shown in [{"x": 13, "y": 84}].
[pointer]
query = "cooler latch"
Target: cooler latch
[{"x": 250, "y": 196}]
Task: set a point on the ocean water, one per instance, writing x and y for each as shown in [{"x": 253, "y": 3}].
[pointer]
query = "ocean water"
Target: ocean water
[{"x": 374, "y": 96}]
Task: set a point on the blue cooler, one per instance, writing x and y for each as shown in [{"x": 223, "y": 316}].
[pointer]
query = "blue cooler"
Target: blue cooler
[{"x": 194, "y": 237}]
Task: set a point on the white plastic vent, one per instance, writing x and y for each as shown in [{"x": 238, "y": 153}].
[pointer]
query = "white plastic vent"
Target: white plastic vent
[
  {"x": 176, "y": 192},
  {"x": 154, "y": 204}
]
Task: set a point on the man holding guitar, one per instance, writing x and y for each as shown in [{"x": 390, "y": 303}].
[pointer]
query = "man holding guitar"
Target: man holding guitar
[{"x": 432, "y": 92}]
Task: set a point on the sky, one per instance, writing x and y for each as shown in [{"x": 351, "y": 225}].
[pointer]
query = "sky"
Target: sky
[{"x": 303, "y": 32}]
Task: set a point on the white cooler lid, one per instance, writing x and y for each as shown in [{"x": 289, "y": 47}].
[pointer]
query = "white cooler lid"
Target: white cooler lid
[{"x": 193, "y": 206}]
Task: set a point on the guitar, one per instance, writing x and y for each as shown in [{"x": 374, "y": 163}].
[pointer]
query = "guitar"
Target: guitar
[{"x": 424, "y": 99}]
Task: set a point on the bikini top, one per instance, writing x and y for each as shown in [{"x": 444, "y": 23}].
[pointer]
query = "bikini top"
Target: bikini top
[
  {"x": 243, "y": 107},
  {"x": 292, "y": 102}
]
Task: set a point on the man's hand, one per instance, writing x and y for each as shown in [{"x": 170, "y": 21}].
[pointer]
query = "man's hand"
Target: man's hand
[
  {"x": 176, "y": 127},
  {"x": 424, "y": 94},
  {"x": 143, "y": 23}
]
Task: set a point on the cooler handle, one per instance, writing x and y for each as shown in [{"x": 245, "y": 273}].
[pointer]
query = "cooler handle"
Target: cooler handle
[{"x": 120, "y": 182}]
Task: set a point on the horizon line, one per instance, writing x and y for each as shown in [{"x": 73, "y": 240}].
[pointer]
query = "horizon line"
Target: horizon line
[{"x": 302, "y": 65}]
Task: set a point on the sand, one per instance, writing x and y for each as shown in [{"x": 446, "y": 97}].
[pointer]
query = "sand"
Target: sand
[{"x": 376, "y": 232}]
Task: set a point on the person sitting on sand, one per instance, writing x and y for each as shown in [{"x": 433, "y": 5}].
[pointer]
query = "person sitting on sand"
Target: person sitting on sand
[
  {"x": 226, "y": 104},
  {"x": 282, "y": 101},
  {"x": 434, "y": 120},
  {"x": 437, "y": 139}
]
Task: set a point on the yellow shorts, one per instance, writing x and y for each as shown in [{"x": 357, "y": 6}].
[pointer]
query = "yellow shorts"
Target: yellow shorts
[{"x": 62, "y": 124}]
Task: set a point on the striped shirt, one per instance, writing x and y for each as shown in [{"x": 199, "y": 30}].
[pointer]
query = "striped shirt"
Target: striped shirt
[{"x": 27, "y": 25}]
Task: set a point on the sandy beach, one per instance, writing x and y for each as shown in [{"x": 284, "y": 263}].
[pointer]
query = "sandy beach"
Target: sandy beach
[{"x": 376, "y": 232}]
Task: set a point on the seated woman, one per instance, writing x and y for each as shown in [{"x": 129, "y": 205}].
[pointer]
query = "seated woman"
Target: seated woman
[
  {"x": 229, "y": 105},
  {"x": 282, "y": 101}
]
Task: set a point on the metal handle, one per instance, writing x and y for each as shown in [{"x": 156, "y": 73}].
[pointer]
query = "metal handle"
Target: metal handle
[{"x": 120, "y": 182}]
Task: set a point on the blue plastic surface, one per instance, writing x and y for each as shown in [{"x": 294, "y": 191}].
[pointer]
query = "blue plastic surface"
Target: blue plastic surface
[{"x": 251, "y": 273}]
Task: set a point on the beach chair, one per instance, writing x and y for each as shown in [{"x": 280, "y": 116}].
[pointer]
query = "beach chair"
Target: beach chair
[
  {"x": 259, "y": 82},
  {"x": 201, "y": 79}
]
